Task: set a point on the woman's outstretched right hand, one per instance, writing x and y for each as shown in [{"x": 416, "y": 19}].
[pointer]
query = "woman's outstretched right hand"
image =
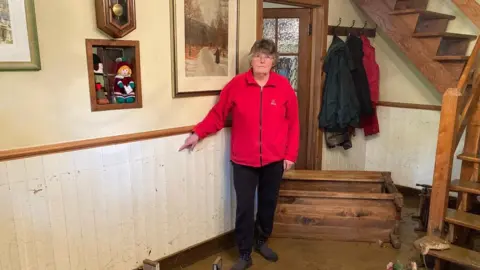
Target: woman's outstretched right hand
[{"x": 190, "y": 142}]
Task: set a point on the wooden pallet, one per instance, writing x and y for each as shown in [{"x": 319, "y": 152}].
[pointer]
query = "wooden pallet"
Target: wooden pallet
[{"x": 339, "y": 205}]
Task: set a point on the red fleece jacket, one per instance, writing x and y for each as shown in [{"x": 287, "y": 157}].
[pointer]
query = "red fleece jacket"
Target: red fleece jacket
[{"x": 265, "y": 121}]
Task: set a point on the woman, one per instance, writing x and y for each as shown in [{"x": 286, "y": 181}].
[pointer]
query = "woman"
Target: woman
[{"x": 264, "y": 143}]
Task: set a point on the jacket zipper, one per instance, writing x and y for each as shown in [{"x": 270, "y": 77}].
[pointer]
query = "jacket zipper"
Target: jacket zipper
[{"x": 261, "y": 102}]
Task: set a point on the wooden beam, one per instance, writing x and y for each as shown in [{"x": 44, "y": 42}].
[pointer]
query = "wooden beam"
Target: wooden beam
[
  {"x": 301, "y": 3},
  {"x": 409, "y": 105},
  {"x": 259, "y": 19},
  {"x": 444, "y": 160},
  {"x": 317, "y": 77},
  {"x": 470, "y": 8}
]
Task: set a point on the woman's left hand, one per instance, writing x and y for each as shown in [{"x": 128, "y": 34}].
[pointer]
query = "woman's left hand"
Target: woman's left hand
[{"x": 287, "y": 165}]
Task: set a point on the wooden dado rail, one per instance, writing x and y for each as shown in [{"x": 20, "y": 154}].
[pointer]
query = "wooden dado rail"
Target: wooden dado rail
[
  {"x": 98, "y": 142},
  {"x": 90, "y": 143}
]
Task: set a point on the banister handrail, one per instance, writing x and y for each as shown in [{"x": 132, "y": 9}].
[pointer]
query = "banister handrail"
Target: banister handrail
[{"x": 463, "y": 81}]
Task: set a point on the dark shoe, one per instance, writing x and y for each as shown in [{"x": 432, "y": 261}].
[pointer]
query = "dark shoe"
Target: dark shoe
[
  {"x": 242, "y": 264},
  {"x": 266, "y": 252}
]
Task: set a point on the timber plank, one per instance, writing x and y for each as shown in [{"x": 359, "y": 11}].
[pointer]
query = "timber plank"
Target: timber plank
[
  {"x": 440, "y": 58},
  {"x": 326, "y": 220},
  {"x": 444, "y": 35},
  {"x": 340, "y": 195},
  {"x": 333, "y": 211},
  {"x": 469, "y": 157},
  {"x": 331, "y": 233},
  {"x": 295, "y": 184},
  {"x": 455, "y": 254},
  {"x": 375, "y": 177},
  {"x": 465, "y": 186},
  {"x": 431, "y": 15},
  {"x": 464, "y": 219}
]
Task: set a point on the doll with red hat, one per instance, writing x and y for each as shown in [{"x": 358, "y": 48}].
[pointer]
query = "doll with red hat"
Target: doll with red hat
[{"x": 124, "y": 86}]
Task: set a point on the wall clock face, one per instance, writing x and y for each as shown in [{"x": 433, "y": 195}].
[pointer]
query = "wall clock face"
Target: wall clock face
[{"x": 116, "y": 17}]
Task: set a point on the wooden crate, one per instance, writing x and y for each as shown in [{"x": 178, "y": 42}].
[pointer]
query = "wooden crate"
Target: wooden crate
[{"x": 339, "y": 205}]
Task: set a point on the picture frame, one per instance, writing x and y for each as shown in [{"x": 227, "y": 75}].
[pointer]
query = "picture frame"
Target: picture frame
[
  {"x": 19, "y": 48},
  {"x": 204, "y": 36},
  {"x": 104, "y": 60}
]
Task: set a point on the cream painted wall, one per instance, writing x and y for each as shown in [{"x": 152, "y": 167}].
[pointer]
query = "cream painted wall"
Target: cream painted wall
[
  {"x": 407, "y": 141},
  {"x": 52, "y": 105}
]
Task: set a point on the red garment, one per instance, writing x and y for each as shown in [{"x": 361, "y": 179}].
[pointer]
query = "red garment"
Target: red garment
[
  {"x": 369, "y": 123},
  {"x": 265, "y": 122}
]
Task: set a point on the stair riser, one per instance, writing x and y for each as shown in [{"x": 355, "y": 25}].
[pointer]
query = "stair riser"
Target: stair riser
[
  {"x": 428, "y": 25},
  {"x": 391, "y": 3},
  {"x": 453, "y": 46},
  {"x": 417, "y": 4}
]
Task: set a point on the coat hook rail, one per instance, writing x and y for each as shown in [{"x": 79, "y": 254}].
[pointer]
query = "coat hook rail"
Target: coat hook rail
[{"x": 351, "y": 30}]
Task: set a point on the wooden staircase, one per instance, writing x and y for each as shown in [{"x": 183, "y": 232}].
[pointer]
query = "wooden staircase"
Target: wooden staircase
[
  {"x": 421, "y": 35},
  {"x": 441, "y": 58}
]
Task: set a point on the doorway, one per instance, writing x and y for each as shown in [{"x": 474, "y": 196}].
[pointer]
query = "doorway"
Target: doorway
[{"x": 290, "y": 29}]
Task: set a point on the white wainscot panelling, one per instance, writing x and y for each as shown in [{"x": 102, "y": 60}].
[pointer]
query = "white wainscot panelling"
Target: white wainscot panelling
[
  {"x": 406, "y": 145},
  {"x": 111, "y": 207},
  {"x": 352, "y": 159}
]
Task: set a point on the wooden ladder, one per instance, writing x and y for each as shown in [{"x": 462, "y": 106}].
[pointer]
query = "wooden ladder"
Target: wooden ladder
[{"x": 448, "y": 225}]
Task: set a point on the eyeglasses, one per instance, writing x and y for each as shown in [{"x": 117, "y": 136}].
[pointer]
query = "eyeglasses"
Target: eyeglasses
[{"x": 262, "y": 56}]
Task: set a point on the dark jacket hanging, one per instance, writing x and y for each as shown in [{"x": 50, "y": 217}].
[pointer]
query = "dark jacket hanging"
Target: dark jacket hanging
[
  {"x": 340, "y": 109},
  {"x": 359, "y": 75}
]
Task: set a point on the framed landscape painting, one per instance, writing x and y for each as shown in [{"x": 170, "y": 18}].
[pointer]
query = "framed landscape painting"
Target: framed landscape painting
[
  {"x": 18, "y": 36},
  {"x": 204, "y": 45}
]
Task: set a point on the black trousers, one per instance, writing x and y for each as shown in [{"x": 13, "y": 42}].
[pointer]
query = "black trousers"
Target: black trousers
[{"x": 246, "y": 179}]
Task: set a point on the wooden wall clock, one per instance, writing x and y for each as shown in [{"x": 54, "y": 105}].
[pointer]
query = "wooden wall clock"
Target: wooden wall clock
[{"x": 116, "y": 17}]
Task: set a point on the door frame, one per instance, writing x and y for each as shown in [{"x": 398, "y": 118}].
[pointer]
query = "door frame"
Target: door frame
[
  {"x": 319, "y": 9},
  {"x": 303, "y": 74}
]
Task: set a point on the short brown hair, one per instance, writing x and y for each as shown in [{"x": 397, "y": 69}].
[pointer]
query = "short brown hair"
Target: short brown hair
[{"x": 266, "y": 46}]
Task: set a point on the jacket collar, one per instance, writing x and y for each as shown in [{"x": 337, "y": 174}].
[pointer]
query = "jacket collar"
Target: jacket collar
[{"x": 251, "y": 80}]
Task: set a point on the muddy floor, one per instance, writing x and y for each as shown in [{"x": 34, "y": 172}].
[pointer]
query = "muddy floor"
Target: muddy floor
[{"x": 330, "y": 255}]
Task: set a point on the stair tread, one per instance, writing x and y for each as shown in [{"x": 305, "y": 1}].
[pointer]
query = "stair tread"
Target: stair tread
[
  {"x": 333, "y": 194},
  {"x": 399, "y": 29},
  {"x": 465, "y": 186},
  {"x": 317, "y": 175},
  {"x": 455, "y": 254},
  {"x": 451, "y": 58},
  {"x": 425, "y": 13},
  {"x": 444, "y": 34},
  {"x": 464, "y": 219},
  {"x": 469, "y": 157}
]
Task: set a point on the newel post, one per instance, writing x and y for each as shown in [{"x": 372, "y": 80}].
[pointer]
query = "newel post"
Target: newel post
[{"x": 446, "y": 146}]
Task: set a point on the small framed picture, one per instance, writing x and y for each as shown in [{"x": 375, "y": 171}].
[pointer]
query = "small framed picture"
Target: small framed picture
[
  {"x": 114, "y": 74},
  {"x": 19, "y": 49}
]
